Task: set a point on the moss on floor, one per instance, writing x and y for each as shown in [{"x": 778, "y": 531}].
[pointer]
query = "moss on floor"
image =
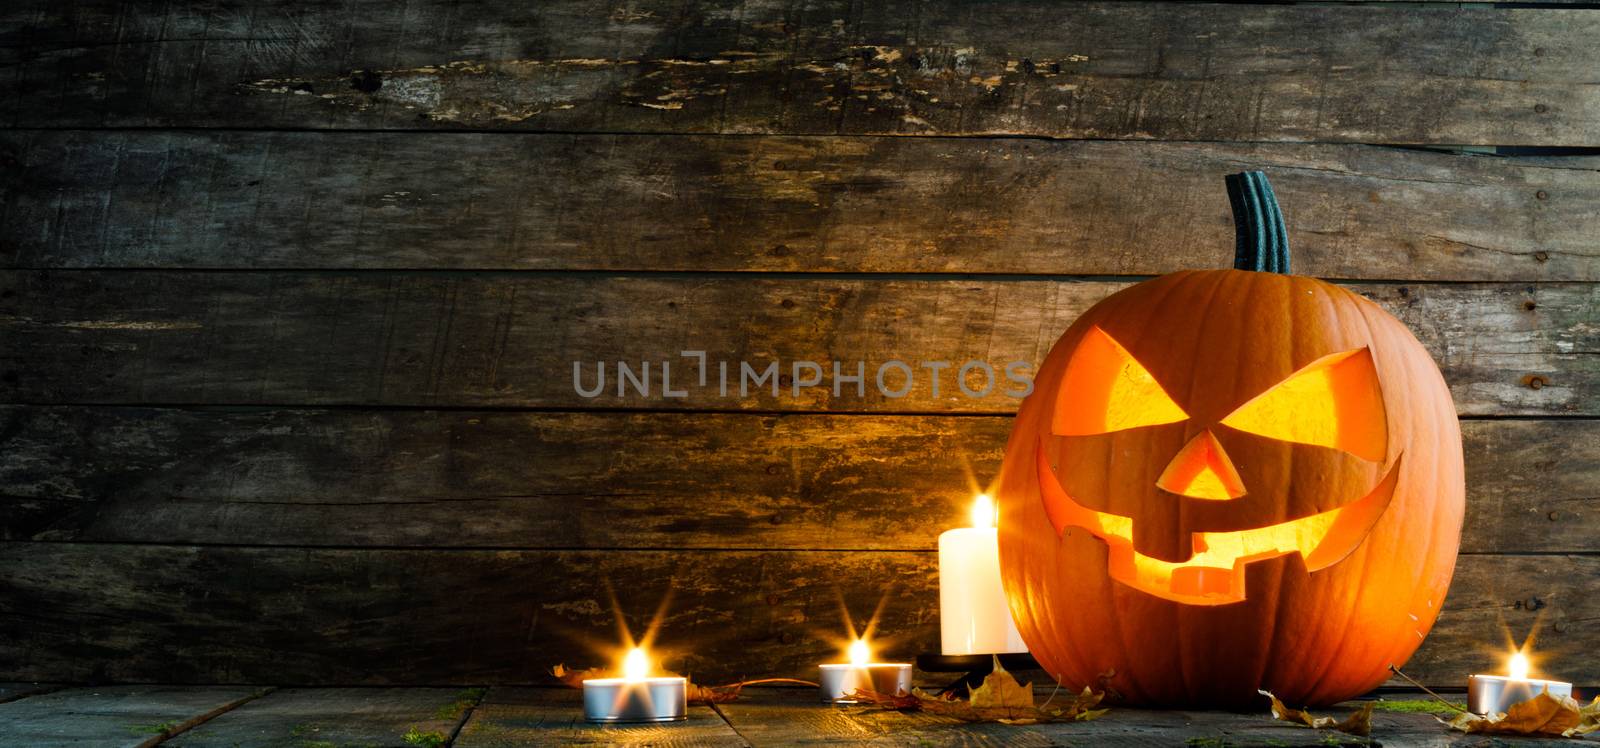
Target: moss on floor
[{"x": 1416, "y": 706}]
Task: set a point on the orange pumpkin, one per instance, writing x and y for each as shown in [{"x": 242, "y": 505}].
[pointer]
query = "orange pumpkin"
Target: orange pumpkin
[{"x": 1231, "y": 480}]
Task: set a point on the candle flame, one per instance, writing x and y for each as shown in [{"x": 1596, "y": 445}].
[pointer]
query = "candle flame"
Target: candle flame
[
  {"x": 636, "y": 666},
  {"x": 859, "y": 654},
  {"x": 983, "y": 514},
  {"x": 1519, "y": 666}
]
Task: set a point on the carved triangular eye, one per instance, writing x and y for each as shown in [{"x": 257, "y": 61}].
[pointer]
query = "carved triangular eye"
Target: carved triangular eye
[
  {"x": 1105, "y": 389},
  {"x": 1333, "y": 402}
]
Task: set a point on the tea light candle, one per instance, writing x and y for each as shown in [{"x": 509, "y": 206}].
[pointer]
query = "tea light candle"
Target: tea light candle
[
  {"x": 635, "y": 697},
  {"x": 974, "y": 617},
  {"x": 1490, "y": 694},
  {"x": 840, "y": 680}
]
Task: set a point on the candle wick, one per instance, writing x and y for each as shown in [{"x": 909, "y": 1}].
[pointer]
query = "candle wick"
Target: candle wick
[{"x": 1427, "y": 690}]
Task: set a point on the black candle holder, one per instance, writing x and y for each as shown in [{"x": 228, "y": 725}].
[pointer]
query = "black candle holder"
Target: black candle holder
[{"x": 973, "y": 668}]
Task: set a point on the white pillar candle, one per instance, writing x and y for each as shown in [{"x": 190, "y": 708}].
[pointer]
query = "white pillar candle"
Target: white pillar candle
[{"x": 973, "y": 615}]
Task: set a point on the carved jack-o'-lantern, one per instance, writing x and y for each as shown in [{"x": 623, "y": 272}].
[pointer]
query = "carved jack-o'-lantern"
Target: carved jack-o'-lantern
[{"x": 1228, "y": 480}]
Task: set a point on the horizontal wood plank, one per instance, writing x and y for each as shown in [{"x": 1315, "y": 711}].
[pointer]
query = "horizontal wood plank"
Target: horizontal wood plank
[
  {"x": 515, "y": 717},
  {"x": 614, "y": 480},
  {"x": 377, "y": 617},
  {"x": 114, "y": 716},
  {"x": 791, "y": 716},
  {"x": 322, "y": 717},
  {"x": 12, "y": 691},
  {"x": 513, "y": 340},
  {"x": 1093, "y": 70},
  {"x": 599, "y": 202}
]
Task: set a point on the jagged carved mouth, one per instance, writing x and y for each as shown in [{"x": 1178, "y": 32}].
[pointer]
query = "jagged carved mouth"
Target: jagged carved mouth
[{"x": 1215, "y": 572}]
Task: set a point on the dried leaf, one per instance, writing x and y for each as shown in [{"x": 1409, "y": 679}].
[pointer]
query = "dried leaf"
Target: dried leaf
[
  {"x": 1588, "y": 719},
  {"x": 1358, "y": 723},
  {"x": 1007, "y": 709},
  {"x": 898, "y": 702},
  {"x": 722, "y": 694},
  {"x": 1104, "y": 680},
  {"x": 1001, "y": 690},
  {"x": 1541, "y": 715},
  {"x": 697, "y": 694},
  {"x": 575, "y": 678}
]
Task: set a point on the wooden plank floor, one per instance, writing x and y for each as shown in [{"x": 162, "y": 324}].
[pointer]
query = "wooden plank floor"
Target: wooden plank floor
[
  {"x": 307, "y": 718},
  {"x": 226, "y": 716},
  {"x": 120, "y": 716}
]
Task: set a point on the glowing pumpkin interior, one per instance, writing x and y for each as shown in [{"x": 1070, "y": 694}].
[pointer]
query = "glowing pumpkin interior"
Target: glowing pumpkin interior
[{"x": 1333, "y": 402}]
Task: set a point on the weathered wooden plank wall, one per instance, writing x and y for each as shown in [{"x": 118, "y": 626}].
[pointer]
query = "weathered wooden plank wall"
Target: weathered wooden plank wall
[
  {"x": 506, "y": 479},
  {"x": 408, "y": 338},
  {"x": 1092, "y": 70},
  {"x": 290, "y": 296},
  {"x": 184, "y": 200}
]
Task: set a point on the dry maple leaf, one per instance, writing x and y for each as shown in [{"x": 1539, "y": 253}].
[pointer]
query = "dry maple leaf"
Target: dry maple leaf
[
  {"x": 1002, "y": 691},
  {"x": 1541, "y": 715},
  {"x": 1000, "y": 698},
  {"x": 1358, "y": 723}
]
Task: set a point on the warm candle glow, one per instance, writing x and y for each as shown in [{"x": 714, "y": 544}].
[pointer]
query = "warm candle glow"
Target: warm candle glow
[
  {"x": 1519, "y": 666},
  {"x": 974, "y": 617},
  {"x": 636, "y": 666},
  {"x": 859, "y": 655},
  {"x": 983, "y": 511}
]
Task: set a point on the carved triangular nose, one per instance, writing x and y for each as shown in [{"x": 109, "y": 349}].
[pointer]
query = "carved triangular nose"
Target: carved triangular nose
[{"x": 1201, "y": 470}]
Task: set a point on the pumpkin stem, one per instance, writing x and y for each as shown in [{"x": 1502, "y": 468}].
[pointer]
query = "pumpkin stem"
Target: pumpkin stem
[{"x": 1260, "y": 241}]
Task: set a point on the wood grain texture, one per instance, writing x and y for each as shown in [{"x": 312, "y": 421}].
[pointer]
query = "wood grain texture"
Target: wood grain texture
[
  {"x": 114, "y": 716},
  {"x": 14, "y": 691},
  {"x": 897, "y": 205},
  {"x": 493, "y": 479},
  {"x": 512, "y": 340},
  {"x": 375, "y": 617},
  {"x": 1092, "y": 70},
  {"x": 513, "y": 717},
  {"x": 304, "y": 717},
  {"x": 789, "y": 717}
]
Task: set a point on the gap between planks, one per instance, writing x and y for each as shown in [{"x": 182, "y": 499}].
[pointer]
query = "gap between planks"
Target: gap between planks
[
  {"x": 199, "y": 720},
  {"x": 604, "y": 549},
  {"x": 778, "y": 275},
  {"x": 729, "y": 723},
  {"x": 466, "y": 715},
  {"x": 52, "y": 688},
  {"x": 1482, "y": 149},
  {"x": 227, "y": 407}
]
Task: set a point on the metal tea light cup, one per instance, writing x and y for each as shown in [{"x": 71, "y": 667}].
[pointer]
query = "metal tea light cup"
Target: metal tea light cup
[
  {"x": 1492, "y": 694},
  {"x": 639, "y": 700},
  {"x": 840, "y": 681}
]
